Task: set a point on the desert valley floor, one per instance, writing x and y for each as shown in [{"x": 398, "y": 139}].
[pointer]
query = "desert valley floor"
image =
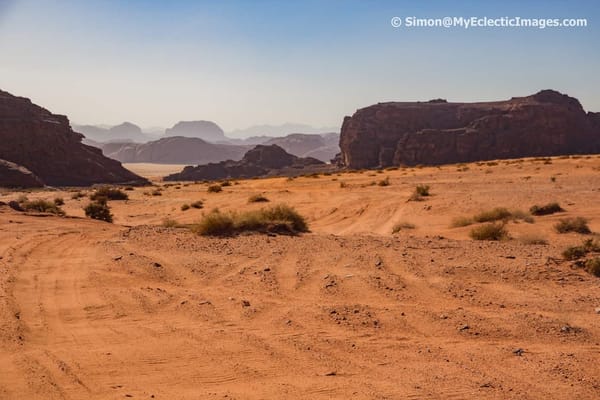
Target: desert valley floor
[{"x": 92, "y": 310}]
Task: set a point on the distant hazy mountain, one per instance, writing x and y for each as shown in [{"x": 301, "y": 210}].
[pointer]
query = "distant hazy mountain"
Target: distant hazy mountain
[
  {"x": 119, "y": 133},
  {"x": 278, "y": 130},
  {"x": 174, "y": 150},
  {"x": 206, "y": 130}
]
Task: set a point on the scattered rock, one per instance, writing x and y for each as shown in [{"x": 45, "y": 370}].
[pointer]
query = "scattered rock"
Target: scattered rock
[
  {"x": 332, "y": 373},
  {"x": 597, "y": 310},
  {"x": 157, "y": 265},
  {"x": 464, "y": 328},
  {"x": 518, "y": 352},
  {"x": 245, "y": 303},
  {"x": 118, "y": 258}
]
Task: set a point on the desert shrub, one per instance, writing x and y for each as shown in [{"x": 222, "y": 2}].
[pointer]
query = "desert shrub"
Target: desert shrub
[
  {"x": 257, "y": 198},
  {"x": 461, "y": 221},
  {"x": 99, "y": 210},
  {"x": 593, "y": 266},
  {"x": 43, "y": 206},
  {"x": 402, "y": 226},
  {"x": 59, "y": 201},
  {"x": 225, "y": 183},
  {"x": 489, "y": 231},
  {"x": 214, "y": 189},
  {"x": 109, "y": 193},
  {"x": 279, "y": 218},
  {"x": 157, "y": 192},
  {"x": 343, "y": 185},
  {"x": 496, "y": 214},
  {"x": 185, "y": 207},
  {"x": 533, "y": 239},
  {"x": 574, "y": 253},
  {"x": 215, "y": 224},
  {"x": 577, "y": 252},
  {"x": 576, "y": 224},
  {"x": 547, "y": 209},
  {"x": 170, "y": 223},
  {"x": 197, "y": 204},
  {"x": 77, "y": 195},
  {"x": 384, "y": 182},
  {"x": 422, "y": 190},
  {"x": 129, "y": 188}
]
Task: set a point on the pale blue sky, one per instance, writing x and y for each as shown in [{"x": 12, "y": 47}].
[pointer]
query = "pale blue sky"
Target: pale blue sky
[{"x": 241, "y": 63}]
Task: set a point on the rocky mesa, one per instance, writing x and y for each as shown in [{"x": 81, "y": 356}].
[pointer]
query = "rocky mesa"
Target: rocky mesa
[
  {"x": 437, "y": 132},
  {"x": 262, "y": 160},
  {"x": 43, "y": 144}
]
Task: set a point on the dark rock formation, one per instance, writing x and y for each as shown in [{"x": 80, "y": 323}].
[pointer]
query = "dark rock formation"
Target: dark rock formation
[
  {"x": 205, "y": 130},
  {"x": 260, "y": 161},
  {"x": 174, "y": 150},
  {"x": 436, "y": 132},
  {"x": 45, "y": 144},
  {"x": 16, "y": 176},
  {"x": 322, "y": 147}
]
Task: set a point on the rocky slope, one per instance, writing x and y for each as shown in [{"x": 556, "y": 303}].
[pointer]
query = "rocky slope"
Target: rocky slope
[
  {"x": 438, "y": 132},
  {"x": 322, "y": 147},
  {"x": 174, "y": 150},
  {"x": 124, "y": 132},
  {"x": 16, "y": 176},
  {"x": 45, "y": 144},
  {"x": 262, "y": 160}
]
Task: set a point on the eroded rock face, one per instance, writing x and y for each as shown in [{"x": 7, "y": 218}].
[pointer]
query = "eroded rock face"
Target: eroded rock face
[
  {"x": 16, "y": 176},
  {"x": 262, "y": 160},
  {"x": 437, "y": 132},
  {"x": 45, "y": 144}
]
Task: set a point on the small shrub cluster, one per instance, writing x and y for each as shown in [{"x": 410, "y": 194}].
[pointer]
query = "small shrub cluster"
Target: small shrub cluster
[
  {"x": 214, "y": 189},
  {"x": 198, "y": 204},
  {"x": 493, "y": 215},
  {"x": 550, "y": 208},
  {"x": 257, "y": 198},
  {"x": 384, "y": 182},
  {"x": 78, "y": 195},
  {"x": 420, "y": 192},
  {"x": 99, "y": 210},
  {"x": 59, "y": 201},
  {"x": 42, "y": 206},
  {"x": 533, "y": 239},
  {"x": 496, "y": 214},
  {"x": 593, "y": 266},
  {"x": 280, "y": 218},
  {"x": 109, "y": 194},
  {"x": 185, "y": 207},
  {"x": 575, "y": 224},
  {"x": 489, "y": 231},
  {"x": 577, "y": 252}
]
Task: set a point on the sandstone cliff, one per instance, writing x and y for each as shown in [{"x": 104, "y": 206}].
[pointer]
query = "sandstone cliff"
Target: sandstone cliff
[
  {"x": 436, "y": 132},
  {"x": 45, "y": 144},
  {"x": 16, "y": 176}
]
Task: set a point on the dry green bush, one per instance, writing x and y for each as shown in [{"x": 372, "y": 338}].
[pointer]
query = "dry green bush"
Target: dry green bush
[
  {"x": 43, "y": 206},
  {"x": 489, "y": 231},
  {"x": 384, "y": 182},
  {"x": 459, "y": 222},
  {"x": 533, "y": 239},
  {"x": 577, "y": 252},
  {"x": 257, "y": 198},
  {"x": 170, "y": 223},
  {"x": 280, "y": 218},
  {"x": 198, "y": 204},
  {"x": 99, "y": 210},
  {"x": 574, "y": 224},
  {"x": 109, "y": 193},
  {"x": 214, "y": 189},
  {"x": 547, "y": 209},
  {"x": 593, "y": 266}
]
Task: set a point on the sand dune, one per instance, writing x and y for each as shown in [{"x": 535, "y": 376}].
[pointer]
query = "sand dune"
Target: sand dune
[{"x": 350, "y": 310}]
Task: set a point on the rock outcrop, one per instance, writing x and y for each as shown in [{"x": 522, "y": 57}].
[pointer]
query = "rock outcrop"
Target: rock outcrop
[
  {"x": 205, "y": 130},
  {"x": 437, "y": 132},
  {"x": 260, "y": 161},
  {"x": 322, "y": 147},
  {"x": 125, "y": 132},
  {"x": 16, "y": 176},
  {"x": 45, "y": 144}
]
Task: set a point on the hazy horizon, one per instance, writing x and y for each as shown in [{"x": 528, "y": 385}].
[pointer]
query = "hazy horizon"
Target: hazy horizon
[{"x": 242, "y": 64}]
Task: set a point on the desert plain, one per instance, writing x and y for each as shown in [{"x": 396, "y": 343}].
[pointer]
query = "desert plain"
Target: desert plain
[{"x": 144, "y": 309}]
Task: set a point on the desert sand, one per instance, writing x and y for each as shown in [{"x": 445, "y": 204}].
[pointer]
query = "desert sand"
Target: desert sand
[{"x": 91, "y": 310}]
